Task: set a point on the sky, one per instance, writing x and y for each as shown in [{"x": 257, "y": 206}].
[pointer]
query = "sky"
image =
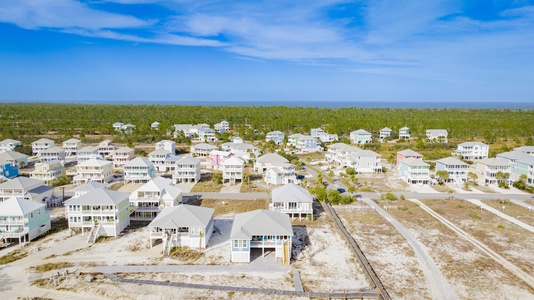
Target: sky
[{"x": 273, "y": 50}]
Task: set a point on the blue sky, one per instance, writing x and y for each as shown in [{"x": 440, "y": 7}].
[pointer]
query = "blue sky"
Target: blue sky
[{"x": 254, "y": 50}]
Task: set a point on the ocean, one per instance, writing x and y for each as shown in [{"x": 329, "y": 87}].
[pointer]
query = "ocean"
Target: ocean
[{"x": 320, "y": 104}]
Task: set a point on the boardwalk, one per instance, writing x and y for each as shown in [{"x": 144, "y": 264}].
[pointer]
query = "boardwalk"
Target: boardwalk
[{"x": 338, "y": 295}]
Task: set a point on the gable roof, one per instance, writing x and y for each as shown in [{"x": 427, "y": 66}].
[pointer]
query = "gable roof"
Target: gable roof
[
  {"x": 291, "y": 193},
  {"x": 204, "y": 146},
  {"x": 162, "y": 185},
  {"x": 451, "y": 161},
  {"x": 99, "y": 197},
  {"x": 188, "y": 160},
  {"x": 18, "y": 206},
  {"x": 88, "y": 149},
  {"x": 183, "y": 215},
  {"x": 159, "y": 152},
  {"x": 494, "y": 162},
  {"x": 276, "y": 132},
  {"x": 527, "y": 161},
  {"x": 232, "y": 161},
  {"x": 10, "y": 141},
  {"x": 123, "y": 149},
  {"x": 260, "y": 222},
  {"x": 437, "y": 132},
  {"x": 271, "y": 158},
  {"x": 21, "y": 183},
  {"x": 360, "y": 131},
  {"x": 386, "y": 129},
  {"x": 43, "y": 141},
  {"x": 513, "y": 155},
  {"x": 71, "y": 141},
  {"x": 94, "y": 162},
  {"x": 411, "y": 161},
  {"x": 139, "y": 162},
  {"x": 92, "y": 185},
  {"x": 11, "y": 155},
  {"x": 525, "y": 149},
  {"x": 53, "y": 150},
  {"x": 409, "y": 152},
  {"x": 473, "y": 144}
]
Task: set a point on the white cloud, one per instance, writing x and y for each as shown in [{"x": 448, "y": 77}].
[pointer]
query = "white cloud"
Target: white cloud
[{"x": 34, "y": 14}]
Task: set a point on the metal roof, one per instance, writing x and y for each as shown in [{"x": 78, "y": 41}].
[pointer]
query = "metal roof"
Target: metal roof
[
  {"x": 183, "y": 215},
  {"x": 260, "y": 222}
]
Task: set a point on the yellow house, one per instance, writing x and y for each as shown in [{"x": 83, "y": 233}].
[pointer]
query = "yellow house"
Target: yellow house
[{"x": 48, "y": 171}]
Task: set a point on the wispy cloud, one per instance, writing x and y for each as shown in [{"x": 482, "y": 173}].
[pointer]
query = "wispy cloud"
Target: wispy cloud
[
  {"x": 419, "y": 38},
  {"x": 35, "y": 14}
]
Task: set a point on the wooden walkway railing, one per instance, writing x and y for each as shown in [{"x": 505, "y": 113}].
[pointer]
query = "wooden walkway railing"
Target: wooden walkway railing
[{"x": 364, "y": 263}]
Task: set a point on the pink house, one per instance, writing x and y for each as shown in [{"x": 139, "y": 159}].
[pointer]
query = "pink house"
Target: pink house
[{"x": 217, "y": 157}]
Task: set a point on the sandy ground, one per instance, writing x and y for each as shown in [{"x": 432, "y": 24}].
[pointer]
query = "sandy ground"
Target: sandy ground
[{"x": 323, "y": 261}]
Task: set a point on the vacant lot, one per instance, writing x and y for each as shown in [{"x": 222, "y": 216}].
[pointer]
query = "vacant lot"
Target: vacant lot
[
  {"x": 389, "y": 253},
  {"x": 506, "y": 238},
  {"x": 513, "y": 210},
  {"x": 471, "y": 274},
  {"x": 223, "y": 207}
]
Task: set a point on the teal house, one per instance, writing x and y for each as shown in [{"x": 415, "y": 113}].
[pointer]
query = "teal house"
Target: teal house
[{"x": 22, "y": 220}]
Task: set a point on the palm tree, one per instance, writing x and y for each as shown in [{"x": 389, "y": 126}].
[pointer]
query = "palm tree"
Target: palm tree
[{"x": 201, "y": 235}]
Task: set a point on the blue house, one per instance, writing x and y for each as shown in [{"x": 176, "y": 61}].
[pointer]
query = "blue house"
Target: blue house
[{"x": 7, "y": 170}]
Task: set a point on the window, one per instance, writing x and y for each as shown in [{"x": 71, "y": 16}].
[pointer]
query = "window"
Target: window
[
  {"x": 236, "y": 244},
  {"x": 245, "y": 244}
]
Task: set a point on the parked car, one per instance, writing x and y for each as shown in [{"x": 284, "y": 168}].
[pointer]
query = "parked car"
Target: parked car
[
  {"x": 358, "y": 196},
  {"x": 300, "y": 177},
  {"x": 341, "y": 190}
]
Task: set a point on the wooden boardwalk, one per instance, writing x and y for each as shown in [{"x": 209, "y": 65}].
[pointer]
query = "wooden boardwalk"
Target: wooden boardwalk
[{"x": 335, "y": 295}]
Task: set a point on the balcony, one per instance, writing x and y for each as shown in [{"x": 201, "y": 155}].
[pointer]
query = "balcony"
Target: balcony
[{"x": 23, "y": 222}]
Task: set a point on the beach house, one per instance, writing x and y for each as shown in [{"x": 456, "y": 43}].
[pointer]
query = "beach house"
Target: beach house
[
  {"x": 71, "y": 147},
  {"x": 202, "y": 150},
  {"x": 414, "y": 171},
  {"x": 40, "y": 145},
  {"x": 472, "y": 150},
  {"x": 93, "y": 170},
  {"x": 17, "y": 160},
  {"x": 276, "y": 136},
  {"x": 293, "y": 200},
  {"x": 385, "y": 133},
  {"x": 100, "y": 212},
  {"x": 187, "y": 170},
  {"x": 182, "y": 226},
  {"x": 9, "y": 145},
  {"x": 148, "y": 200},
  {"x": 258, "y": 231},
  {"x": 233, "y": 170},
  {"x": 22, "y": 220},
  {"x": 407, "y": 153},
  {"x": 404, "y": 133},
  {"x": 268, "y": 161},
  {"x": 121, "y": 156},
  {"x": 52, "y": 154},
  {"x": 437, "y": 135},
  {"x": 166, "y": 145},
  {"x": 7, "y": 170},
  {"x": 87, "y": 153},
  {"x": 492, "y": 170},
  {"x": 106, "y": 148},
  {"x": 456, "y": 169},
  {"x": 360, "y": 136},
  {"x": 139, "y": 170},
  {"x": 48, "y": 171}
]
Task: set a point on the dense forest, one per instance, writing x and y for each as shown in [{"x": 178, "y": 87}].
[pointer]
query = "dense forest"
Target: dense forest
[{"x": 23, "y": 121}]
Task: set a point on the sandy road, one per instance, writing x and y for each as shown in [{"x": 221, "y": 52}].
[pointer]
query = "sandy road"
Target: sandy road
[
  {"x": 501, "y": 260},
  {"x": 438, "y": 285}
]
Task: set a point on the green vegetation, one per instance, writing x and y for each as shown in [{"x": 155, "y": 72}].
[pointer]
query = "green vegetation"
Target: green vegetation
[
  {"x": 25, "y": 121},
  {"x": 389, "y": 197}
]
